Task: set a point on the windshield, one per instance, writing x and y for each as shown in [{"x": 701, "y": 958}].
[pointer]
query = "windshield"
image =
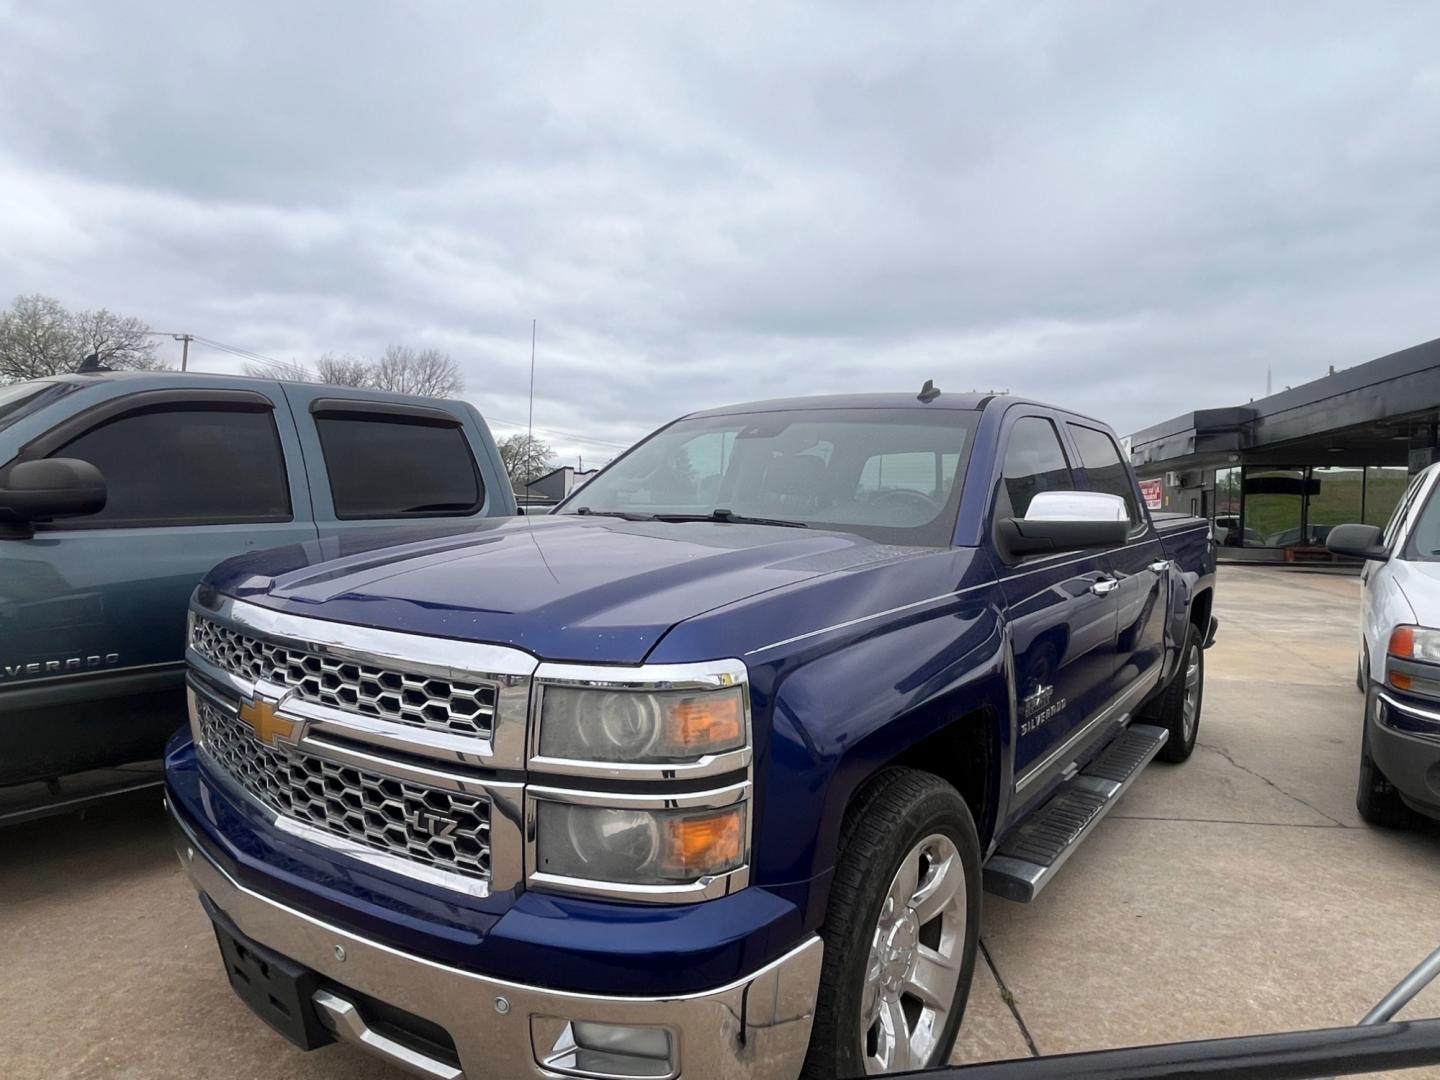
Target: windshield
[
  {"x": 892, "y": 475},
  {"x": 21, "y": 399}
]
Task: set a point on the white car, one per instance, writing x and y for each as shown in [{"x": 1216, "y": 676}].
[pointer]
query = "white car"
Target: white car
[{"x": 1399, "y": 667}]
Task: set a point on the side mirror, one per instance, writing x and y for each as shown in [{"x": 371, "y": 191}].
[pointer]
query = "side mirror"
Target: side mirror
[
  {"x": 49, "y": 488},
  {"x": 1358, "y": 541},
  {"x": 1059, "y": 521}
]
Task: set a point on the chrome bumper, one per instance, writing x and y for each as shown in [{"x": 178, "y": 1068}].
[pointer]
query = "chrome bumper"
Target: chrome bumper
[{"x": 758, "y": 1027}]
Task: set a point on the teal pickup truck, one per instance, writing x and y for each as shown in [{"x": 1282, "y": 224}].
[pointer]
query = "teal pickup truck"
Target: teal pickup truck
[{"x": 118, "y": 491}]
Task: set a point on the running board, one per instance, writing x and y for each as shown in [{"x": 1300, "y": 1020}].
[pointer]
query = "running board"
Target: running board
[{"x": 1039, "y": 846}]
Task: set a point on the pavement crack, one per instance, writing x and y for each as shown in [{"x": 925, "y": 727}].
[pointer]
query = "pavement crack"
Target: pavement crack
[
  {"x": 1009, "y": 999},
  {"x": 1271, "y": 783}
]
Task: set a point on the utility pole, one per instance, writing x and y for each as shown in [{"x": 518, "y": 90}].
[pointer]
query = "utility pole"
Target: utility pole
[{"x": 184, "y": 340}]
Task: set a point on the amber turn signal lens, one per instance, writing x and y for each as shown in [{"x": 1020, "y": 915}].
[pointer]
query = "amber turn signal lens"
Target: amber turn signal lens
[
  {"x": 1402, "y": 641},
  {"x": 714, "y": 720},
  {"x": 705, "y": 845}
]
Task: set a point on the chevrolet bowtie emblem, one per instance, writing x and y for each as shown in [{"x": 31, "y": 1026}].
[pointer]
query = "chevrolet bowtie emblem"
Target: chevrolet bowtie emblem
[{"x": 260, "y": 715}]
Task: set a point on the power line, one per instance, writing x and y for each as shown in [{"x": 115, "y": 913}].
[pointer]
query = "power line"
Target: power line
[{"x": 280, "y": 368}]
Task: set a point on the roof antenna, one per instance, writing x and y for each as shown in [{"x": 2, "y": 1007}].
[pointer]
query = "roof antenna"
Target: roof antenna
[
  {"x": 91, "y": 364},
  {"x": 929, "y": 392}
]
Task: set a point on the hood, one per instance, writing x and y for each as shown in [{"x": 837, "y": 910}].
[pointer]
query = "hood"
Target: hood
[
  {"x": 588, "y": 589},
  {"x": 1419, "y": 584}
]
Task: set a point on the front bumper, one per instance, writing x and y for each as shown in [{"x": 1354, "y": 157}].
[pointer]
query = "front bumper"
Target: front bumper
[
  {"x": 757, "y": 1027},
  {"x": 1405, "y": 743}
]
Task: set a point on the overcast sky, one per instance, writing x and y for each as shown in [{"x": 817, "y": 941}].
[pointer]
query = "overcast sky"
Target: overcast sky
[{"x": 1131, "y": 209}]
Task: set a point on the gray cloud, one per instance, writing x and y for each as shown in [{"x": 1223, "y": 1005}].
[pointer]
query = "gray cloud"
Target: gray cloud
[{"x": 1135, "y": 209}]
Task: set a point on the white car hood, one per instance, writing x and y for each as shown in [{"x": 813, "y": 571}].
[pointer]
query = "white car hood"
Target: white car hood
[{"x": 1419, "y": 583}]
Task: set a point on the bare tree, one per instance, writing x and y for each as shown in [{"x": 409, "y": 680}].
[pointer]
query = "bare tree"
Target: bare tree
[
  {"x": 285, "y": 370},
  {"x": 526, "y": 458},
  {"x": 344, "y": 370},
  {"x": 400, "y": 369},
  {"x": 40, "y": 337},
  {"x": 427, "y": 372},
  {"x": 120, "y": 341}
]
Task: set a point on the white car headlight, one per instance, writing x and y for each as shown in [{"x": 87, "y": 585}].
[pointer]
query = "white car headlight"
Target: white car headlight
[{"x": 1415, "y": 643}]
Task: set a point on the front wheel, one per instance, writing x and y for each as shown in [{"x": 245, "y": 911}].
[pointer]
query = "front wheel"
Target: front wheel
[{"x": 901, "y": 931}]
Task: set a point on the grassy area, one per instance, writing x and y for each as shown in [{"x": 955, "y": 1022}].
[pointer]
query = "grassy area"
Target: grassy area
[{"x": 1337, "y": 502}]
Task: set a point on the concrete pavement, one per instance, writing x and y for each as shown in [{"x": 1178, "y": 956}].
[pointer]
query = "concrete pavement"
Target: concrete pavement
[{"x": 1237, "y": 893}]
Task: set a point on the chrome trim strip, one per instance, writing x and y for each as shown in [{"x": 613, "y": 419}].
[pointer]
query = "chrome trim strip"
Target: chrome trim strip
[
  {"x": 345, "y": 1021},
  {"x": 757, "y": 1025},
  {"x": 1413, "y": 710},
  {"x": 645, "y": 678},
  {"x": 715, "y": 799},
  {"x": 1120, "y": 701}
]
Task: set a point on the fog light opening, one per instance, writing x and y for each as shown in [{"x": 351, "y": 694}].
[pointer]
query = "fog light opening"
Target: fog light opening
[{"x": 603, "y": 1051}]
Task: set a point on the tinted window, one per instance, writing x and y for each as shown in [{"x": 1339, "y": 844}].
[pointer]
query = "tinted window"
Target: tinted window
[
  {"x": 185, "y": 466},
  {"x": 1104, "y": 469},
  {"x": 386, "y": 467},
  {"x": 1034, "y": 462}
]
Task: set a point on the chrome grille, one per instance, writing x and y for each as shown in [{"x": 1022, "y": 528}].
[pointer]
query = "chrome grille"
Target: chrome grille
[
  {"x": 379, "y": 811},
  {"x": 386, "y": 693}
]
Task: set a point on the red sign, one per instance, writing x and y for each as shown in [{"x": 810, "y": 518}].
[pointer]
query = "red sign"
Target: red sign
[{"x": 1153, "y": 492}]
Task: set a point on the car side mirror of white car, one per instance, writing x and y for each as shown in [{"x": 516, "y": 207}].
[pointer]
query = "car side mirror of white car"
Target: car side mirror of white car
[{"x": 1358, "y": 541}]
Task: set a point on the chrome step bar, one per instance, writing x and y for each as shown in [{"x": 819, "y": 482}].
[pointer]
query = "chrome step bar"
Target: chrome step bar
[{"x": 1032, "y": 853}]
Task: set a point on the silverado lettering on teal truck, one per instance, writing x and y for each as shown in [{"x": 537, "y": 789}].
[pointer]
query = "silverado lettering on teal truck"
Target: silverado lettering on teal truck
[{"x": 704, "y": 774}]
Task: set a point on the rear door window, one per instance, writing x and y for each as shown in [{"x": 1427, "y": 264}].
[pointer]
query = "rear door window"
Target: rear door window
[
  {"x": 1105, "y": 471},
  {"x": 185, "y": 465},
  {"x": 398, "y": 467}
]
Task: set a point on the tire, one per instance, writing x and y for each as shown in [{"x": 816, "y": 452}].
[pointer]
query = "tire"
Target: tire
[
  {"x": 1177, "y": 713},
  {"x": 903, "y": 822},
  {"x": 1376, "y": 798}
]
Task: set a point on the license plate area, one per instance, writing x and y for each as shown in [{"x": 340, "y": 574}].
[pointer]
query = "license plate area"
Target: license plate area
[{"x": 276, "y": 988}]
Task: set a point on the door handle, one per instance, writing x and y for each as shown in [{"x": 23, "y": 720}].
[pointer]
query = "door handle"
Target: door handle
[
  {"x": 1159, "y": 567},
  {"x": 1104, "y": 587}
]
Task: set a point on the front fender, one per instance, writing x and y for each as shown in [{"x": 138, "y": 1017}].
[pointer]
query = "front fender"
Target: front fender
[{"x": 838, "y": 717}]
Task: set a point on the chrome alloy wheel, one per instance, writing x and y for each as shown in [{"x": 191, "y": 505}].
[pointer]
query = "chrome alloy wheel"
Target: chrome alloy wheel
[
  {"x": 915, "y": 959},
  {"x": 1191, "y": 711}
]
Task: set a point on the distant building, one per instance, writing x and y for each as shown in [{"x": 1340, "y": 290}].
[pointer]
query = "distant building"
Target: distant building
[
  {"x": 1275, "y": 475},
  {"x": 551, "y": 488}
]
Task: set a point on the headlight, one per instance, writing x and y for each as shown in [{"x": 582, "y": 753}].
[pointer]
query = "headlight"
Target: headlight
[
  {"x": 1415, "y": 643},
  {"x": 640, "y": 727},
  {"x": 638, "y": 847}
]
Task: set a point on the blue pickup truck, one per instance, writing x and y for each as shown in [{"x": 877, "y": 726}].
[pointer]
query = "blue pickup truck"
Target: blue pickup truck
[
  {"x": 704, "y": 774},
  {"x": 118, "y": 491}
]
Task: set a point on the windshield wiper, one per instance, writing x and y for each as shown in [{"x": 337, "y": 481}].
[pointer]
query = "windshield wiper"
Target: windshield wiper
[
  {"x": 729, "y": 517},
  {"x": 627, "y": 515}
]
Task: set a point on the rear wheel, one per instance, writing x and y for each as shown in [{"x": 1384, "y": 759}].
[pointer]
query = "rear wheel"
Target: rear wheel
[
  {"x": 1178, "y": 711},
  {"x": 901, "y": 931}
]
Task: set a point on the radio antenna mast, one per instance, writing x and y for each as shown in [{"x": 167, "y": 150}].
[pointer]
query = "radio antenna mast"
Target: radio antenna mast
[{"x": 530, "y": 422}]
